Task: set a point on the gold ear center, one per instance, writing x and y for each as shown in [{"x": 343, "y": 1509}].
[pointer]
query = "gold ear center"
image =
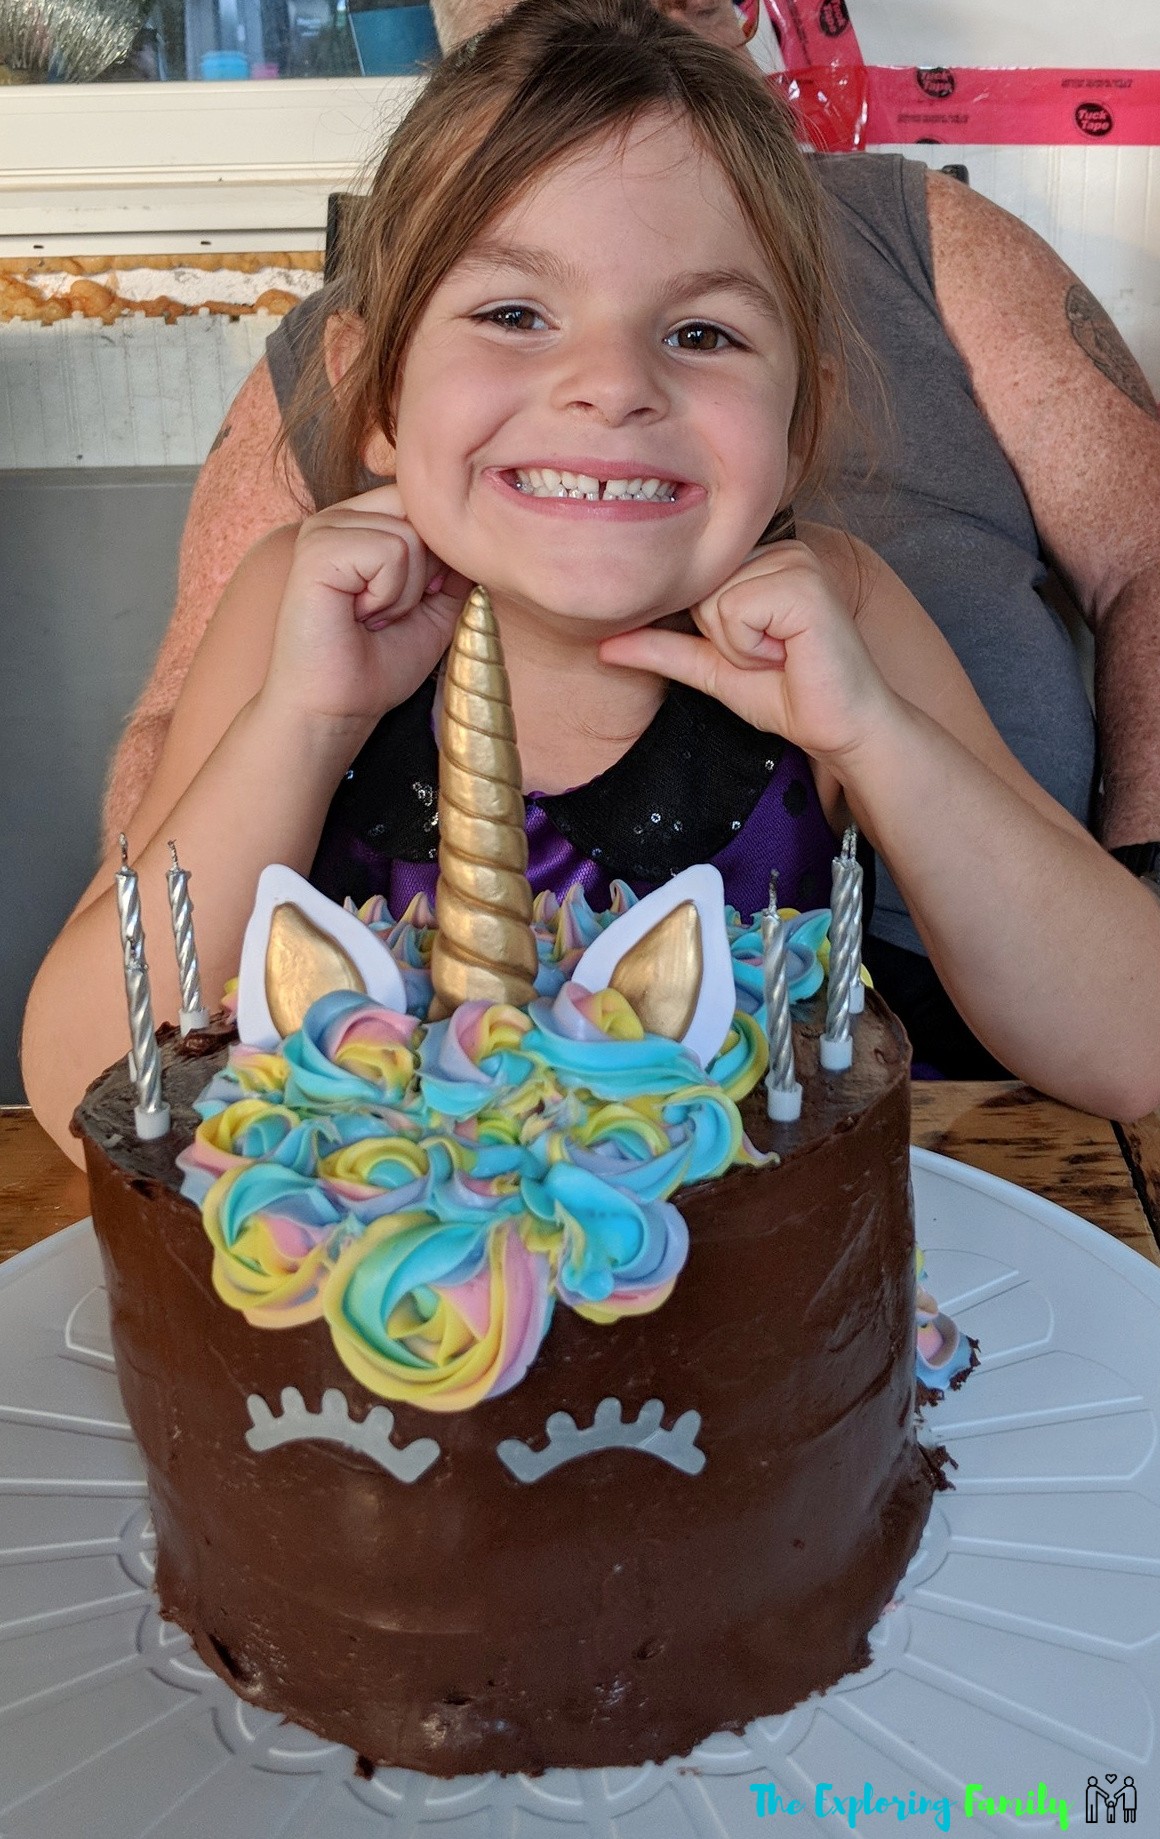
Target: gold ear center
[
  {"x": 661, "y": 975},
  {"x": 302, "y": 964}
]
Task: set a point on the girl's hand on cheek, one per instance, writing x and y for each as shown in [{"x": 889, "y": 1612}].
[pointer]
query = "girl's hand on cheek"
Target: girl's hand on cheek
[
  {"x": 366, "y": 614},
  {"x": 780, "y": 648}
]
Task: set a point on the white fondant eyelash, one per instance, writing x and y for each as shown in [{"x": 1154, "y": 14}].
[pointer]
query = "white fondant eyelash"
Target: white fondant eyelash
[
  {"x": 608, "y": 1430},
  {"x": 334, "y": 1424}
]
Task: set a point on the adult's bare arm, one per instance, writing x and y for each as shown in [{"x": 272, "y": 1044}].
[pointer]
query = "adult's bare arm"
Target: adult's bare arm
[
  {"x": 1074, "y": 414},
  {"x": 245, "y": 489}
]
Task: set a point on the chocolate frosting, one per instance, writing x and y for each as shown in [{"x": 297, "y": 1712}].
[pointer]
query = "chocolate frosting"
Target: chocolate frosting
[{"x": 617, "y": 1610}]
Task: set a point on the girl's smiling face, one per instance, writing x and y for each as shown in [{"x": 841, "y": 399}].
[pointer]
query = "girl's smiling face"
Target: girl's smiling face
[{"x": 616, "y": 326}]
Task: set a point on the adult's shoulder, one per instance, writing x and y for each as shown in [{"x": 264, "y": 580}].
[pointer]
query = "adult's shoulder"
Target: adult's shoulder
[
  {"x": 855, "y": 177},
  {"x": 871, "y": 185}
]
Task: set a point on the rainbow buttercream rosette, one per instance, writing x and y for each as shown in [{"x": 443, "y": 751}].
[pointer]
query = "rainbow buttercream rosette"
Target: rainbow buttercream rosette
[
  {"x": 438, "y": 1313},
  {"x": 273, "y": 1232},
  {"x": 349, "y": 1052},
  {"x": 433, "y": 1191}
]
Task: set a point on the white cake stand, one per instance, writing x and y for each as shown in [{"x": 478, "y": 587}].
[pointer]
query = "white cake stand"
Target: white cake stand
[{"x": 1025, "y": 1648}]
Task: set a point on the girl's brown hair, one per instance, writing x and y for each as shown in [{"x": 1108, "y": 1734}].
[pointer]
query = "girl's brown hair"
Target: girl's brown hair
[{"x": 539, "y": 84}]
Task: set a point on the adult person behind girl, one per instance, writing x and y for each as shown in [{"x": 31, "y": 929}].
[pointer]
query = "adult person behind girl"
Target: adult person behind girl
[
  {"x": 594, "y": 249},
  {"x": 1019, "y": 428}
]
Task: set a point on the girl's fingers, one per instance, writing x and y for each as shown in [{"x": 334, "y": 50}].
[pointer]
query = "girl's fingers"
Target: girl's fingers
[
  {"x": 759, "y": 698},
  {"x": 442, "y": 599},
  {"x": 375, "y": 567},
  {"x": 381, "y": 500},
  {"x": 751, "y": 619},
  {"x": 677, "y": 655},
  {"x": 746, "y": 643},
  {"x": 396, "y": 587}
]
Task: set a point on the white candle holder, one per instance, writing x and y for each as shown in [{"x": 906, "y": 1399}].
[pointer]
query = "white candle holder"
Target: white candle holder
[{"x": 836, "y": 1052}]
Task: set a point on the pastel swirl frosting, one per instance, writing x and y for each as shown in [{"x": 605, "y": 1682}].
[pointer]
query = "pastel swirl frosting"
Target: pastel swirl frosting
[
  {"x": 249, "y": 1130},
  {"x": 743, "y": 1057},
  {"x": 943, "y": 1351},
  {"x": 612, "y": 1255},
  {"x": 594, "y": 1041},
  {"x": 250, "y": 1073},
  {"x": 439, "y": 1314},
  {"x": 805, "y": 969},
  {"x": 432, "y": 1192},
  {"x": 363, "y": 1175},
  {"x": 432, "y": 1198},
  {"x": 564, "y": 928},
  {"x": 409, "y": 941},
  {"x": 273, "y": 1233},
  {"x": 349, "y": 1051},
  {"x": 476, "y": 1059},
  {"x": 621, "y": 1144}
]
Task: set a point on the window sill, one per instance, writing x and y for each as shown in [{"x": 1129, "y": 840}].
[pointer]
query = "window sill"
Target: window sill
[{"x": 133, "y": 167}]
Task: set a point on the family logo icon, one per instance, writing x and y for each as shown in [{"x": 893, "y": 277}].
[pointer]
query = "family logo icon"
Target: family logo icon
[{"x": 1109, "y": 1799}]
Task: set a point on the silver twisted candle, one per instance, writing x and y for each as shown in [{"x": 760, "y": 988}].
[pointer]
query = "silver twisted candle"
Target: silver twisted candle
[
  {"x": 151, "y": 1114},
  {"x": 128, "y": 895},
  {"x": 853, "y": 870},
  {"x": 783, "y": 1093},
  {"x": 836, "y": 1047},
  {"x": 193, "y": 1014},
  {"x": 128, "y": 900}
]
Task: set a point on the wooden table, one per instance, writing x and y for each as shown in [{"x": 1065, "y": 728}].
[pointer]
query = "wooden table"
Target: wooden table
[{"x": 1107, "y": 1173}]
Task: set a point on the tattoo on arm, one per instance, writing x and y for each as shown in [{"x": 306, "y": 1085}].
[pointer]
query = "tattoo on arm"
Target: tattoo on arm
[
  {"x": 221, "y": 437},
  {"x": 1095, "y": 334}
]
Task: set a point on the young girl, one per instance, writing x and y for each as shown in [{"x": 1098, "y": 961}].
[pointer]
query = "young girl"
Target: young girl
[{"x": 592, "y": 337}]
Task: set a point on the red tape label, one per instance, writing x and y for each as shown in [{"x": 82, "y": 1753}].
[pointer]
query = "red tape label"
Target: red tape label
[{"x": 845, "y": 104}]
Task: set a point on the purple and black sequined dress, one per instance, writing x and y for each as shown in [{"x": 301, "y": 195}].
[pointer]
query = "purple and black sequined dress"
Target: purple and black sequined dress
[{"x": 699, "y": 785}]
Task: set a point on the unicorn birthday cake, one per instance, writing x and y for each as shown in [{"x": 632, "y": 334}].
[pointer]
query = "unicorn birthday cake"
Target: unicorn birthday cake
[{"x": 514, "y": 1390}]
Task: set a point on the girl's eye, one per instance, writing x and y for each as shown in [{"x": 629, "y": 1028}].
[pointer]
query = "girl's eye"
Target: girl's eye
[
  {"x": 513, "y": 318},
  {"x": 699, "y": 337}
]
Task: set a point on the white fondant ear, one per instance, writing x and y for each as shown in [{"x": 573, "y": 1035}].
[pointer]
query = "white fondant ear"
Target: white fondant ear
[
  {"x": 279, "y": 888},
  {"x": 712, "y": 1004}
]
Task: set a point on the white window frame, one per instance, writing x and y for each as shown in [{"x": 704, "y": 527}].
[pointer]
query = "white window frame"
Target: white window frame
[{"x": 118, "y": 168}]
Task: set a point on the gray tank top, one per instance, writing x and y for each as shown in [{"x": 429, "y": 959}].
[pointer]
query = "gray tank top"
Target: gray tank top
[{"x": 938, "y": 499}]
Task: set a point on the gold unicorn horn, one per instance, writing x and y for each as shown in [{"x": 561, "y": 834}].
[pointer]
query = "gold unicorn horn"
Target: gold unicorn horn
[{"x": 484, "y": 948}]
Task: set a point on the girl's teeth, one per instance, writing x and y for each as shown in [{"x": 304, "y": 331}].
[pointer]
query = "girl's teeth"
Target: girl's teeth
[{"x": 546, "y": 482}]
